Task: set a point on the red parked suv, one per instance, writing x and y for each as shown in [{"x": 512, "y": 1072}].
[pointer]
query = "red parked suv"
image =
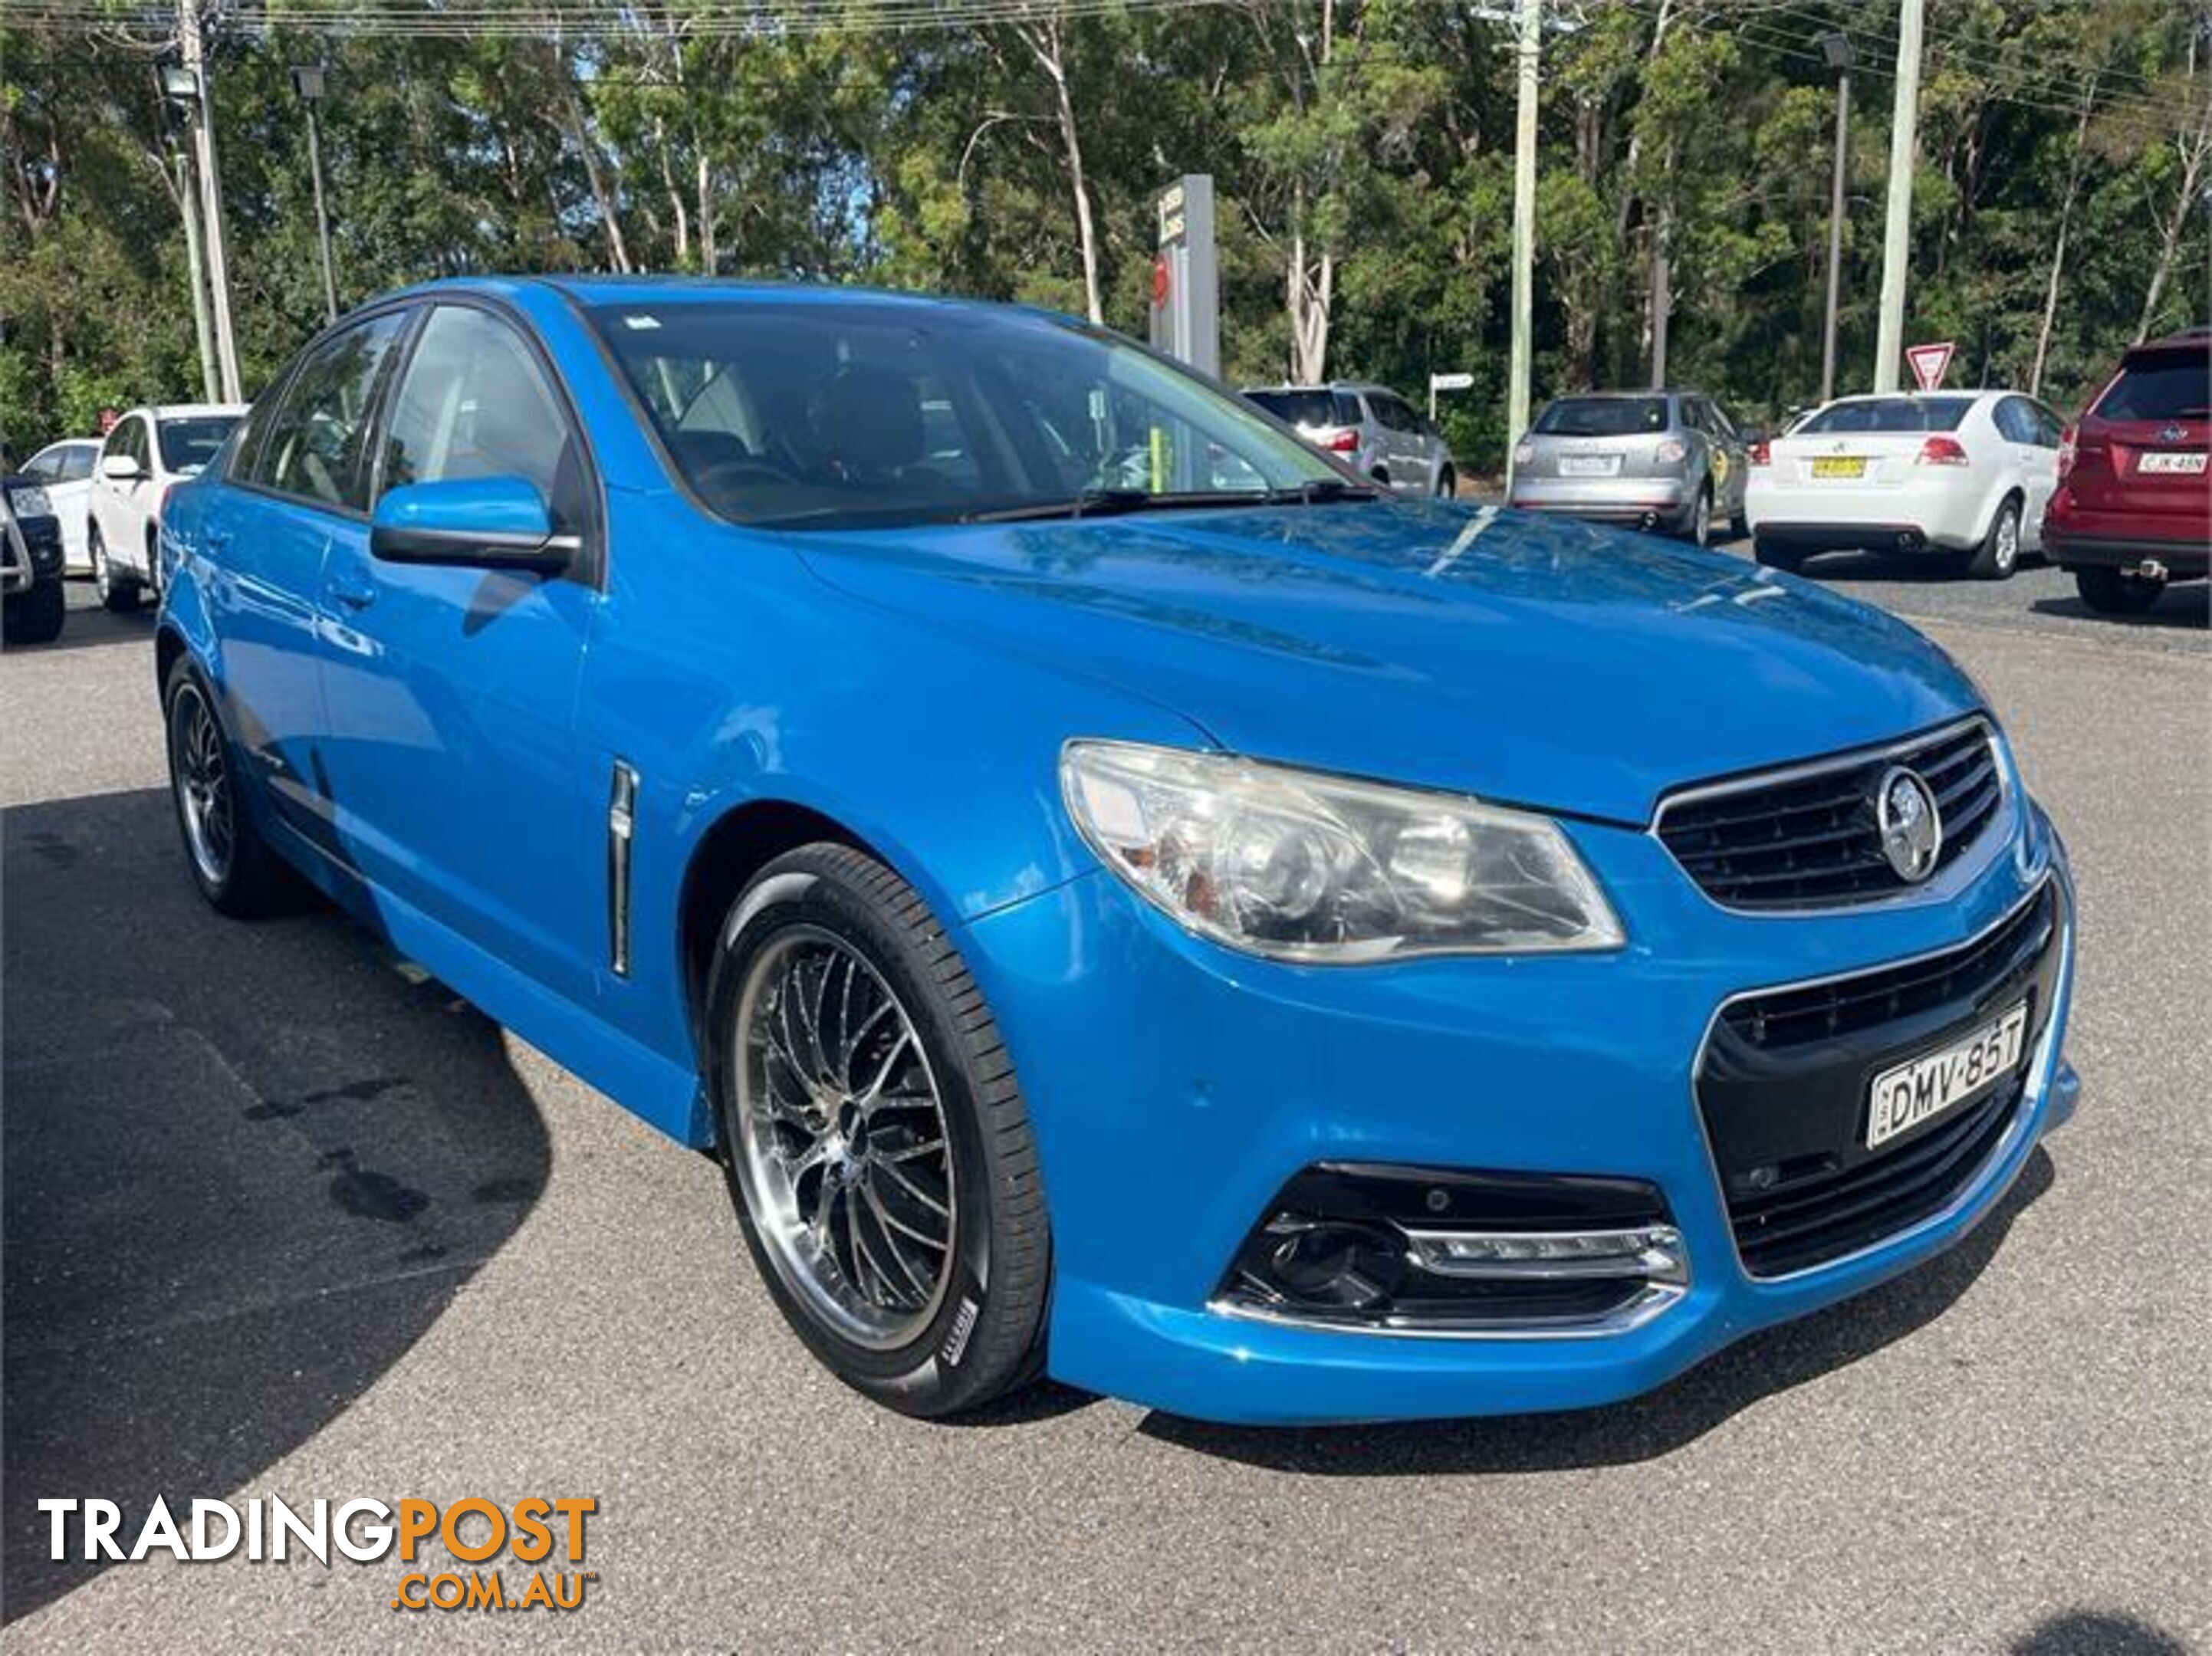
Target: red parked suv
[{"x": 2134, "y": 504}]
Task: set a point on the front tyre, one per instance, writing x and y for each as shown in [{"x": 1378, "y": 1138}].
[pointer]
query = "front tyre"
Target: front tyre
[
  {"x": 1447, "y": 485},
  {"x": 119, "y": 592},
  {"x": 877, "y": 1148},
  {"x": 231, "y": 864},
  {"x": 35, "y": 617}
]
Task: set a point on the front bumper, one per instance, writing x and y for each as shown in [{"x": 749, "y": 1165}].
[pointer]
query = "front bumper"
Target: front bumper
[{"x": 1176, "y": 1087}]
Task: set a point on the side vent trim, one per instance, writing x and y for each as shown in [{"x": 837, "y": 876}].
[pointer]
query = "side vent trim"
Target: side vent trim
[{"x": 622, "y": 825}]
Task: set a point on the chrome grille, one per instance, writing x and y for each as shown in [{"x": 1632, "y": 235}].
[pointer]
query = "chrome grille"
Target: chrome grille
[{"x": 1805, "y": 836}]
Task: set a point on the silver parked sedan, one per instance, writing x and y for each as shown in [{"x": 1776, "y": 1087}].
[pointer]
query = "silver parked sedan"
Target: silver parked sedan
[
  {"x": 1371, "y": 428},
  {"x": 1671, "y": 461}
]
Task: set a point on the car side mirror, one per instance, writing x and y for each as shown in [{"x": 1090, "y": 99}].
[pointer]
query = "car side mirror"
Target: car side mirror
[
  {"x": 119, "y": 468},
  {"x": 479, "y": 522}
]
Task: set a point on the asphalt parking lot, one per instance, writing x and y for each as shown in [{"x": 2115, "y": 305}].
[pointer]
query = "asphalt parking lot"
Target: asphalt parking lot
[{"x": 281, "y": 1218}]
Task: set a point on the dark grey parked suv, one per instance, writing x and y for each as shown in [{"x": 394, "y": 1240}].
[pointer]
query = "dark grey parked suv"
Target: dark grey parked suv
[
  {"x": 1371, "y": 428},
  {"x": 1672, "y": 461}
]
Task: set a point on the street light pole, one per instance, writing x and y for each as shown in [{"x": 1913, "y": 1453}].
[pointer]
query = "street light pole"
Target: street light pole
[
  {"x": 1524, "y": 229},
  {"x": 194, "y": 84},
  {"x": 1837, "y": 49},
  {"x": 307, "y": 81},
  {"x": 1897, "y": 236},
  {"x": 188, "y": 204}
]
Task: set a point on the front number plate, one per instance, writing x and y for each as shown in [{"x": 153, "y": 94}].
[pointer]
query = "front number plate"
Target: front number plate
[{"x": 1920, "y": 1091}]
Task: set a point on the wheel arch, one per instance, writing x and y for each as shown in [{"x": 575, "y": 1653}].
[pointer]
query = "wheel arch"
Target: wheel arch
[{"x": 735, "y": 847}]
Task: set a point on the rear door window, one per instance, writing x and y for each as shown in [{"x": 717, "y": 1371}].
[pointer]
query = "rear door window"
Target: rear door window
[{"x": 315, "y": 447}]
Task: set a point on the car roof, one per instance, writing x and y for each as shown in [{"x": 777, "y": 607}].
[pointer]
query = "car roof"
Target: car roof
[
  {"x": 593, "y": 290},
  {"x": 2197, "y": 338},
  {"x": 68, "y": 442},
  {"x": 1619, "y": 396}
]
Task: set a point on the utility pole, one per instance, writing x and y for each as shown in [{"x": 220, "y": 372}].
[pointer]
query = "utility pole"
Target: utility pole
[
  {"x": 188, "y": 203},
  {"x": 1837, "y": 49},
  {"x": 193, "y": 51},
  {"x": 1897, "y": 238},
  {"x": 307, "y": 81},
  {"x": 1524, "y": 227}
]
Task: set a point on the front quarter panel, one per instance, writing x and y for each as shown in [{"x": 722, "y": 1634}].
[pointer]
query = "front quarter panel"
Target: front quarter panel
[{"x": 727, "y": 675}]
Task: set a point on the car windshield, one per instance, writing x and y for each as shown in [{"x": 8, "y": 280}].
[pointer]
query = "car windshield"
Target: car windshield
[
  {"x": 853, "y": 412},
  {"x": 1603, "y": 416},
  {"x": 1307, "y": 408},
  {"x": 2168, "y": 387},
  {"x": 193, "y": 440},
  {"x": 1903, "y": 415}
]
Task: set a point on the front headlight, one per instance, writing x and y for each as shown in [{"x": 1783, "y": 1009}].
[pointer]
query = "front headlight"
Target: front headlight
[
  {"x": 1300, "y": 866},
  {"x": 30, "y": 500}
]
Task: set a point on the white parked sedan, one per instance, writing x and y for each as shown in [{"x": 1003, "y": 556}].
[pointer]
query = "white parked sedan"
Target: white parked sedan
[
  {"x": 1959, "y": 475},
  {"x": 150, "y": 452},
  {"x": 65, "y": 470}
]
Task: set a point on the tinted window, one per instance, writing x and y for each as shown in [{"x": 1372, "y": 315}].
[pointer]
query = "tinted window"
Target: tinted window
[
  {"x": 1889, "y": 414},
  {"x": 192, "y": 440},
  {"x": 1603, "y": 416},
  {"x": 884, "y": 411},
  {"x": 2014, "y": 424},
  {"x": 314, "y": 446},
  {"x": 1718, "y": 421},
  {"x": 2050, "y": 433},
  {"x": 474, "y": 402},
  {"x": 75, "y": 463},
  {"x": 2172, "y": 385},
  {"x": 1308, "y": 408}
]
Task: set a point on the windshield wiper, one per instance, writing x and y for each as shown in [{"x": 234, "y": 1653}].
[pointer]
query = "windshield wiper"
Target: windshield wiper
[
  {"x": 1320, "y": 491},
  {"x": 1109, "y": 502}
]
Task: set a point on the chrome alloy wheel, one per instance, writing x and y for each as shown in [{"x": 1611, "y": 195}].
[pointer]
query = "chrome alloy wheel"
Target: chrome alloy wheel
[
  {"x": 842, "y": 1147},
  {"x": 201, "y": 775}
]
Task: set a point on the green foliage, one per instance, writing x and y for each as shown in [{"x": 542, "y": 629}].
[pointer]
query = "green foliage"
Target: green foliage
[{"x": 1370, "y": 138}]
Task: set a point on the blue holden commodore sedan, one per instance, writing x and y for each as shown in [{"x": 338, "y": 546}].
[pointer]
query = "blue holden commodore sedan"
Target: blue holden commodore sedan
[{"x": 1121, "y": 898}]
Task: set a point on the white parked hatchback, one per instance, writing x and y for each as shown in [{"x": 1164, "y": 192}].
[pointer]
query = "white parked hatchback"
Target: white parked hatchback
[
  {"x": 1963, "y": 475},
  {"x": 148, "y": 452}
]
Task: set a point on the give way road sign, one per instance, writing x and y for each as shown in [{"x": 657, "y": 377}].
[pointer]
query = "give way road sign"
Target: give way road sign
[{"x": 1928, "y": 362}]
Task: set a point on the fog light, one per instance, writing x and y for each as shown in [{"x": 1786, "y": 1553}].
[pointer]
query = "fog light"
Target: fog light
[{"x": 1347, "y": 1267}]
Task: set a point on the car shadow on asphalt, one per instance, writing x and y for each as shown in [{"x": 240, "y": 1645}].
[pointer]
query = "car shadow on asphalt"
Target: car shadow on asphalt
[
  {"x": 244, "y": 1168},
  {"x": 2187, "y": 607},
  {"x": 1769, "y": 1361},
  {"x": 2097, "y": 1633}
]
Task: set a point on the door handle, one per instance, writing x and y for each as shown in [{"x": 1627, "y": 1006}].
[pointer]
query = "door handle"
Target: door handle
[{"x": 355, "y": 591}]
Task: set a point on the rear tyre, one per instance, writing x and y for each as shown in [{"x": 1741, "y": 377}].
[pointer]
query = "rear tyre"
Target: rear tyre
[
  {"x": 1739, "y": 526},
  {"x": 877, "y": 1148},
  {"x": 35, "y": 617},
  {"x": 2115, "y": 592},
  {"x": 232, "y": 865},
  {"x": 1998, "y": 555},
  {"x": 119, "y": 592},
  {"x": 1698, "y": 528},
  {"x": 1774, "y": 555}
]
